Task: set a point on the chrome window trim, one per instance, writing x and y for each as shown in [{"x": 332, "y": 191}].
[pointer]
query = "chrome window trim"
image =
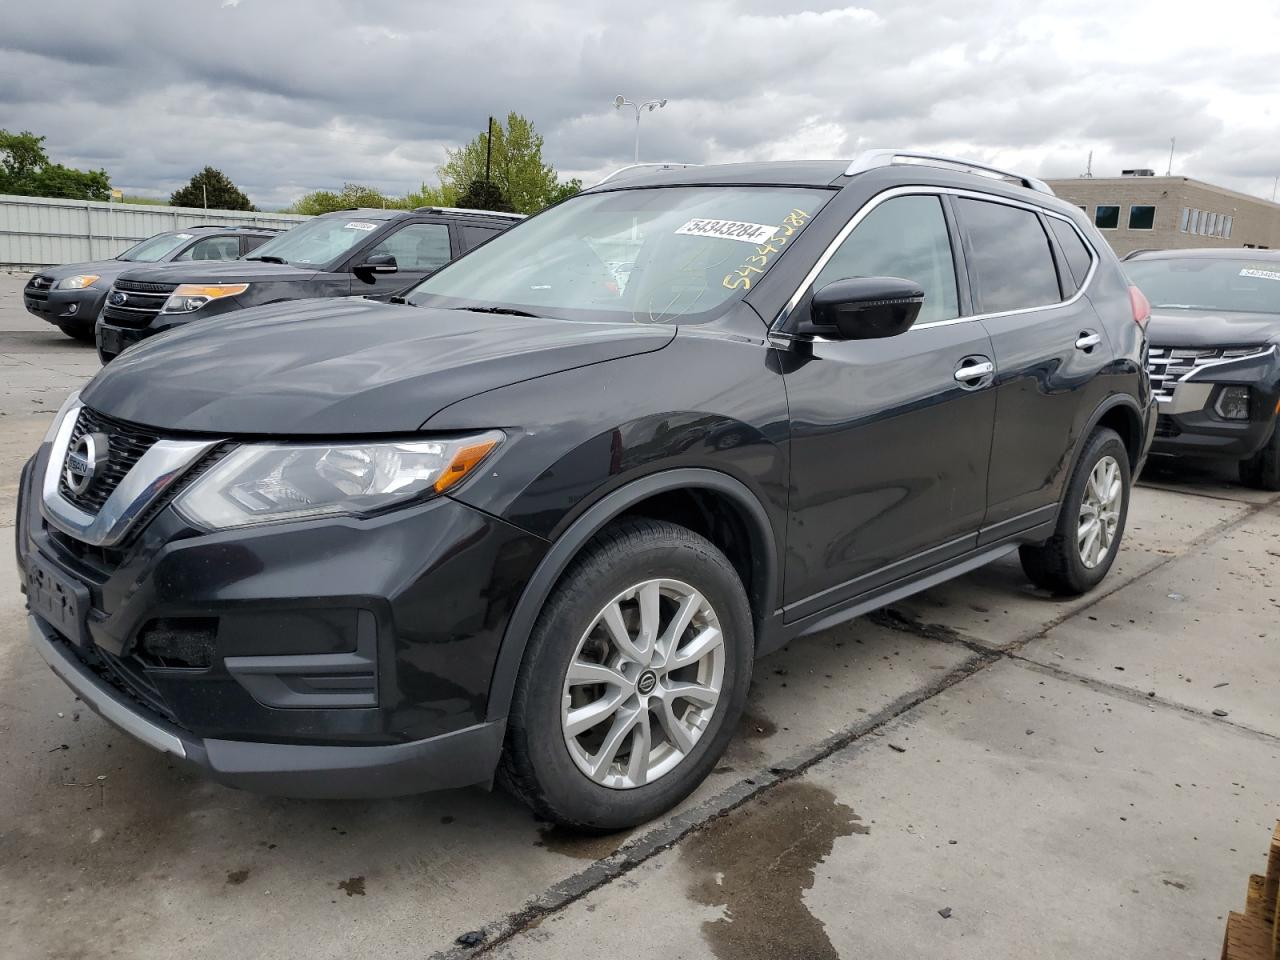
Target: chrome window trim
[
  {"x": 921, "y": 190},
  {"x": 155, "y": 470}
]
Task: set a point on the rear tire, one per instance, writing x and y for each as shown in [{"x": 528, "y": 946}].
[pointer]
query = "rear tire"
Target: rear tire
[
  {"x": 77, "y": 332},
  {"x": 1090, "y": 524},
  {"x": 1262, "y": 470},
  {"x": 557, "y": 757}
]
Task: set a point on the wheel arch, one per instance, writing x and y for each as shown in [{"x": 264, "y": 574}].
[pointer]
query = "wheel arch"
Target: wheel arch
[{"x": 640, "y": 497}]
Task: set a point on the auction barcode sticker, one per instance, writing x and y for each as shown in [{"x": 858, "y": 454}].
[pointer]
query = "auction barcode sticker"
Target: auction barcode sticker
[
  {"x": 729, "y": 230},
  {"x": 360, "y": 225},
  {"x": 1260, "y": 274}
]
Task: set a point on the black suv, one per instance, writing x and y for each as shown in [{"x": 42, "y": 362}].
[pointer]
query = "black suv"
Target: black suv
[
  {"x": 540, "y": 517},
  {"x": 71, "y": 296},
  {"x": 1215, "y": 355},
  {"x": 375, "y": 253}
]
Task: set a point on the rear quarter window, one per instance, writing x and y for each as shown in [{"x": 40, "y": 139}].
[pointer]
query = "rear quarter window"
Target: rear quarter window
[
  {"x": 1079, "y": 257},
  {"x": 1010, "y": 262}
]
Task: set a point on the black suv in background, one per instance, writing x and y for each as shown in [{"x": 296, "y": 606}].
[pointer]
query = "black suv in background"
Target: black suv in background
[
  {"x": 540, "y": 516},
  {"x": 352, "y": 252},
  {"x": 1215, "y": 355},
  {"x": 71, "y": 296}
]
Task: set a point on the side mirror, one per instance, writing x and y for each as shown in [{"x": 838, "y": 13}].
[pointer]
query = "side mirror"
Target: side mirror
[
  {"x": 378, "y": 263},
  {"x": 864, "y": 308}
]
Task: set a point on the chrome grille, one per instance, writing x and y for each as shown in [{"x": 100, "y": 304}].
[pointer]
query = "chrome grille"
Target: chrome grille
[
  {"x": 127, "y": 444},
  {"x": 1168, "y": 365},
  {"x": 142, "y": 302}
]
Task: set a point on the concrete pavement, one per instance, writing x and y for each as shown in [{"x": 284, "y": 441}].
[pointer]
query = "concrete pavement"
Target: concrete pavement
[{"x": 1095, "y": 811}]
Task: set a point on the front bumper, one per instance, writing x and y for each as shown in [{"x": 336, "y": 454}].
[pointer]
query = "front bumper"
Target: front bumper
[
  {"x": 67, "y": 308},
  {"x": 456, "y": 759},
  {"x": 344, "y": 657},
  {"x": 1189, "y": 424}
]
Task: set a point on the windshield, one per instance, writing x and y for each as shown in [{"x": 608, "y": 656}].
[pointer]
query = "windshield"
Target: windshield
[
  {"x": 155, "y": 248},
  {"x": 317, "y": 241},
  {"x": 666, "y": 254},
  {"x": 1202, "y": 284}
]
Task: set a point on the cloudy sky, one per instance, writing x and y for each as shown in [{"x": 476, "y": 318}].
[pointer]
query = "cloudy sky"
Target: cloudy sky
[{"x": 287, "y": 96}]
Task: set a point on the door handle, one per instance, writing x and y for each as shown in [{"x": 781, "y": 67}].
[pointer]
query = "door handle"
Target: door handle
[
  {"x": 1088, "y": 340},
  {"x": 975, "y": 371}
]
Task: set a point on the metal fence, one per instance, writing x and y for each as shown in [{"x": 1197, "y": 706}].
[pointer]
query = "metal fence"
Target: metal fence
[{"x": 40, "y": 231}]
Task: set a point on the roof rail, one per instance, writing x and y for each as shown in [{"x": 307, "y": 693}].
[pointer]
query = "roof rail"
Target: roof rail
[
  {"x": 483, "y": 213},
  {"x": 1133, "y": 253},
  {"x": 871, "y": 159},
  {"x": 664, "y": 165},
  {"x": 230, "y": 226}
]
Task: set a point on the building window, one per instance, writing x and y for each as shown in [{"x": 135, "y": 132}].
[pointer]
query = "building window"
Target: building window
[
  {"x": 1142, "y": 218},
  {"x": 1106, "y": 217},
  {"x": 1195, "y": 221},
  {"x": 1226, "y": 230},
  {"x": 1186, "y": 218}
]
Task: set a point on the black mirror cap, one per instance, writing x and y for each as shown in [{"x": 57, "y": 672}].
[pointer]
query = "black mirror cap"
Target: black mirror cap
[
  {"x": 378, "y": 263},
  {"x": 865, "y": 308}
]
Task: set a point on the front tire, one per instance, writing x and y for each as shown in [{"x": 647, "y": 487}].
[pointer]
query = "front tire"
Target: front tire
[
  {"x": 1262, "y": 470},
  {"x": 633, "y": 681},
  {"x": 1090, "y": 524}
]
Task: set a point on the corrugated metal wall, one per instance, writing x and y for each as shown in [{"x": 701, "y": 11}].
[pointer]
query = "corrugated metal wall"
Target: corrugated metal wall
[{"x": 39, "y": 231}]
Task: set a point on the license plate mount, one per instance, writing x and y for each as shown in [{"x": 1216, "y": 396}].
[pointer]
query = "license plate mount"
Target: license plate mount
[
  {"x": 60, "y": 600},
  {"x": 110, "y": 340}
]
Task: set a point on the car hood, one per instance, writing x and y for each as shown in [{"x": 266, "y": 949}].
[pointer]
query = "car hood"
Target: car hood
[
  {"x": 1211, "y": 328},
  {"x": 343, "y": 366},
  {"x": 107, "y": 269},
  {"x": 216, "y": 271}
]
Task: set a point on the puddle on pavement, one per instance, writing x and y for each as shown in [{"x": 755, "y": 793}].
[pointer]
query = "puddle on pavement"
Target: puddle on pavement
[{"x": 757, "y": 862}]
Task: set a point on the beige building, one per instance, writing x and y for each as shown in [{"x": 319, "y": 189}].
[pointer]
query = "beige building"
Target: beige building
[{"x": 1141, "y": 212}]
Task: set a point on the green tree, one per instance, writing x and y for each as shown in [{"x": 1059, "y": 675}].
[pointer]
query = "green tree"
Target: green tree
[
  {"x": 565, "y": 190},
  {"x": 25, "y": 170},
  {"x": 517, "y": 168},
  {"x": 351, "y": 195},
  {"x": 483, "y": 195},
  {"x": 213, "y": 189}
]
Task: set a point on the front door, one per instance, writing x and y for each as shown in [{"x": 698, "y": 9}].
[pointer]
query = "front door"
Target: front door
[
  {"x": 419, "y": 249},
  {"x": 891, "y": 438}
]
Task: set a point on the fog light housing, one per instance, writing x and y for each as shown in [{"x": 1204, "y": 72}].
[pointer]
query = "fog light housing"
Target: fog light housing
[
  {"x": 1233, "y": 403},
  {"x": 73, "y": 309},
  {"x": 178, "y": 642}
]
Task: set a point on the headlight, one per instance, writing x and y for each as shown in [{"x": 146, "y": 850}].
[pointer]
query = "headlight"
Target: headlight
[
  {"x": 190, "y": 297},
  {"x": 1233, "y": 403},
  {"x": 78, "y": 282},
  {"x": 261, "y": 483}
]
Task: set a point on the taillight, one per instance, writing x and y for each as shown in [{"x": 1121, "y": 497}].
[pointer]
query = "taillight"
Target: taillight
[{"x": 1141, "y": 308}]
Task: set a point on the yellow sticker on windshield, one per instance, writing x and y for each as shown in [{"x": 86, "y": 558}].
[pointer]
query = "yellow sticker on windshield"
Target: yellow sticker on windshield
[{"x": 740, "y": 279}]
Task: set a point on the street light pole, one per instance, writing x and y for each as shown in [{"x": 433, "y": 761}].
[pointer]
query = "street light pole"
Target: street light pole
[{"x": 620, "y": 101}]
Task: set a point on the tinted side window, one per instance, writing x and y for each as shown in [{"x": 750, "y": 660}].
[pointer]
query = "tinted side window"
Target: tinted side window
[
  {"x": 904, "y": 237},
  {"x": 253, "y": 243},
  {"x": 419, "y": 246},
  {"x": 212, "y": 248},
  {"x": 474, "y": 236},
  {"x": 1010, "y": 263},
  {"x": 1079, "y": 259}
]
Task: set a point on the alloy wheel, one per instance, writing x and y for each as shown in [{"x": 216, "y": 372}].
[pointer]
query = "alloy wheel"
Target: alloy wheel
[
  {"x": 643, "y": 684},
  {"x": 1100, "y": 512}
]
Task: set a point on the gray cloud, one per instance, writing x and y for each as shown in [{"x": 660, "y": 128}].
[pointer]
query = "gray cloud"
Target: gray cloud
[{"x": 288, "y": 96}]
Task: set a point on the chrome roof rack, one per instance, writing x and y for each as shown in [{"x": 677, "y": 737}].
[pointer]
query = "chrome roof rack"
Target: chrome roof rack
[
  {"x": 665, "y": 165},
  {"x": 871, "y": 159}
]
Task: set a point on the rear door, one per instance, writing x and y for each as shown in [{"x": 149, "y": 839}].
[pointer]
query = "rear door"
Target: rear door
[
  {"x": 1049, "y": 351},
  {"x": 890, "y": 438}
]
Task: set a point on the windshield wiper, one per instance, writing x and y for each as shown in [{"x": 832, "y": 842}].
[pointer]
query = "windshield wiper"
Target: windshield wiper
[
  {"x": 269, "y": 259},
  {"x": 506, "y": 311}
]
